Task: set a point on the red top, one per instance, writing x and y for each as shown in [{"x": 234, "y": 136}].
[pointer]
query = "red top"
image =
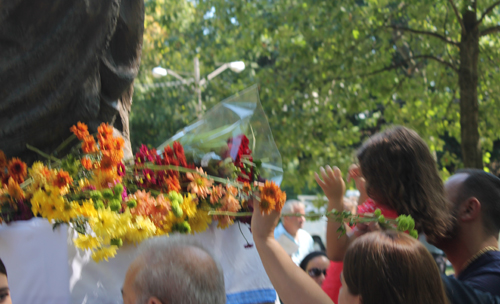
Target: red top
[{"x": 331, "y": 284}]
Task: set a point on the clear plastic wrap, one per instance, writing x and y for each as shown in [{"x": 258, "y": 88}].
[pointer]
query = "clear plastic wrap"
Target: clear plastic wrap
[{"x": 241, "y": 114}]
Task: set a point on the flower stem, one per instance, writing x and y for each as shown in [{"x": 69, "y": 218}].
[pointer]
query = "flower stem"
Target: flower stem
[{"x": 43, "y": 153}]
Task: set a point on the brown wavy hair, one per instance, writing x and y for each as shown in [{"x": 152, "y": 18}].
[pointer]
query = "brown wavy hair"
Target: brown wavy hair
[
  {"x": 401, "y": 173},
  {"x": 392, "y": 268}
]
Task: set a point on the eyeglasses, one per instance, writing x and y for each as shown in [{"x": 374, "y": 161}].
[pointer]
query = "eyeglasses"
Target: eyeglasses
[{"x": 316, "y": 272}]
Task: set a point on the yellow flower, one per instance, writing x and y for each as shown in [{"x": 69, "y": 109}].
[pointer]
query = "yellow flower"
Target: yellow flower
[
  {"x": 200, "y": 221},
  {"x": 85, "y": 241},
  {"x": 105, "y": 223},
  {"x": 102, "y": 178},
  {"x": 104, "y": 253},
  {"x": 188, "y": 206},
  {"x": 51, "y": 205},
  {"x": 87, "y": 209},
  {"x": 41, "y": 175},
  {"x": 168, "y": 222},
  {"x": 124, "y": 224},
  {"x": 144, "y": 228}
]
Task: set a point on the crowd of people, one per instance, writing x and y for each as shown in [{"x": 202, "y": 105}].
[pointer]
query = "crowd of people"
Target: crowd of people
[{"x": 397, "y": 174}]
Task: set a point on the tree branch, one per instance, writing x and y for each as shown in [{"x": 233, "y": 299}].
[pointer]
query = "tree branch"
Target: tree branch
[
  {"x": 458, "y": 15},
  {"x": 487, "y": 11},
  {"x": 395, "y": 66},
  {"x": 436, "y": 59},
  {"x": 405, "y": 29},
  {"x": 490, "y": 30}
]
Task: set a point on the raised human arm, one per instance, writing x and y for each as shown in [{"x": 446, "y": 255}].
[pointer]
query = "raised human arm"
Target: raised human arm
[
  {"x": 293, "y": 284},
  {"x": 334, "y": 188}
]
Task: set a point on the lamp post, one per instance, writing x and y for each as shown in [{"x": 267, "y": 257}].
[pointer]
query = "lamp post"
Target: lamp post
[{"x": 235, "y": 66}]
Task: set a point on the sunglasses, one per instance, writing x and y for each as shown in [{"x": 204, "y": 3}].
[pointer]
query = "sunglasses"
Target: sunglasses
[{"x": 316, "y": 272}]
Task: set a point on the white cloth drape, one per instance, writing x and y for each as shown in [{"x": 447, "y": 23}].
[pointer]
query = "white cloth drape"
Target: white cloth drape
[{"x": 44, "y": 267}]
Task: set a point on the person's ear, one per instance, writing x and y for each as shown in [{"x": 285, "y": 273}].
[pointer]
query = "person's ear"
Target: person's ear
[
  {"x": 154, "y": 300},
  {"x": 470, "y": 210}
]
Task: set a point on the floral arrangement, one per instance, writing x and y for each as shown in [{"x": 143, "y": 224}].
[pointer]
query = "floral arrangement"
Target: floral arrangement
[{"x": 109, "y": 201}]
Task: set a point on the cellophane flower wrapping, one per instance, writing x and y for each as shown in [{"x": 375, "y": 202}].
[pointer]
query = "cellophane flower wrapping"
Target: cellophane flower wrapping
[{"x": 218, "y": 134}]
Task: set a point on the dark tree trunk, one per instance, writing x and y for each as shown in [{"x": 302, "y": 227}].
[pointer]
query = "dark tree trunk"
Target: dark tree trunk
[{"x": 468, "y": 81}]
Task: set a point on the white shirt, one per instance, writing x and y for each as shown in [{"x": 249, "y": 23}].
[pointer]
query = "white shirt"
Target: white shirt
[{"x": 304, "y": 242}]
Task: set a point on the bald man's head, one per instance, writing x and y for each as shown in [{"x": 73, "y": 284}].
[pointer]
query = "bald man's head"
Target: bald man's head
[{"x": 175, "y": 270}]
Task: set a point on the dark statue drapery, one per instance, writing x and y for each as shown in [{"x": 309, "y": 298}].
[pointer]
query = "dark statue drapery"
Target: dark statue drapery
[{"x": 64, "y": 61}]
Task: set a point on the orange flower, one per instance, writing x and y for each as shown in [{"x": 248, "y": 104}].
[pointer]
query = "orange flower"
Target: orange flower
[
  {"x": 217, "y": 193},
  {"x": 62, "y": 179},
  {"x": 3, "y": 161},
  {"x": 107, "y": 163},
  {"x": 119, "y": 143},
  {"x": 266, "y": 204},
  {"x": 17, "y": 169},
  {"x": 269, "y": 189},
  {"x": 86, "y": 163},
  {"x": 88, "y": 145},
  {"x": 105, "y": 130},
  {"x": 246, "y": 188},
  {"x": 172, "y": 183},
  {"x": 229, "y": 203},
  {"x": 232, "y": 190},
  {"x": 80, "y": 130},
  {"x": 199, "y": 185},
  {"x": 272, "y": 191},
  {"x": 14, "y": 190}
]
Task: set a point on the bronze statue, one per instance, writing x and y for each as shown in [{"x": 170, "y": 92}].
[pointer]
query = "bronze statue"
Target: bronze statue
[{"x": 64, "y": 61}]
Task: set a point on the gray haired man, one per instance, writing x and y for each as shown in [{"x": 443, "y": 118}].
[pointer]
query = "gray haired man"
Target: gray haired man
[{"x": 174, "y": 270}]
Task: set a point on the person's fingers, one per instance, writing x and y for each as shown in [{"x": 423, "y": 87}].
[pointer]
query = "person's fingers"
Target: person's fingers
[
  {"x": 348, "y": 178},
  {"x": 337, "y": 173},
  {"x": 324, "y": 175},
  {"x": 331, "y": 175},
  {"x": 320, "y": 182}
]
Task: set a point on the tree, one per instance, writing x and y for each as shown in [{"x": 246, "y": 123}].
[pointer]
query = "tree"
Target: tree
[{"x": 334, "y": 72}]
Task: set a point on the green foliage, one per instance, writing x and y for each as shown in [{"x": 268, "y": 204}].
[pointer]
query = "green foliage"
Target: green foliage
[{"x": 331, "y": 74}]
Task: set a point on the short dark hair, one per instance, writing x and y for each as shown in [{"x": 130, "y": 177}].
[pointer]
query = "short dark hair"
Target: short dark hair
[
  {"x": 311, "y": 256},
  {"x": 2, "y": 268},
  {"x": 486, "y": 188}
]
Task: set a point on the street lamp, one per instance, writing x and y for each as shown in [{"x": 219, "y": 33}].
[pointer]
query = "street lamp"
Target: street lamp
[{"x": 235, "y": 66}]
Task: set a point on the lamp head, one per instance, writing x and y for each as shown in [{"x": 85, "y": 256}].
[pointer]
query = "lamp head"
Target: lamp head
[
  {"x": 159, "y": 72},
  {"x": 237, "y": 66}
]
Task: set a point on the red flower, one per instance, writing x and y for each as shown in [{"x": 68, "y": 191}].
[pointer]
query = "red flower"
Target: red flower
[
  {"x": 120, "y": 169},
  {"x": 17, "y": 170}
]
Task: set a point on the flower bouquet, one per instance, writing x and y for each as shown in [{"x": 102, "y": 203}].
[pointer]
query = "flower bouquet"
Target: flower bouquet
[{"x": 212, "y": 170}]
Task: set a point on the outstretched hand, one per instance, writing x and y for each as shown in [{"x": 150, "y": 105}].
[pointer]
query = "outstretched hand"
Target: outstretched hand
[
  {"x": 263, "y": 224},
  {"x": 333, "y": 185},
  {"x": 356, "y": 175}
]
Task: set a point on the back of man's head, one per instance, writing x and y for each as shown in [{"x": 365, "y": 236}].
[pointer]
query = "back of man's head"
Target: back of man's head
[
  {"x": 178, "y": 270},
  {"x": 486, "y": 188}
]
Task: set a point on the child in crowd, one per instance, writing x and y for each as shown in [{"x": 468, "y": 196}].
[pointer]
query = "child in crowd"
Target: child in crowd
[
  {"x": 396, "y": 174},
  {"x": 4, "y": 286}
]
